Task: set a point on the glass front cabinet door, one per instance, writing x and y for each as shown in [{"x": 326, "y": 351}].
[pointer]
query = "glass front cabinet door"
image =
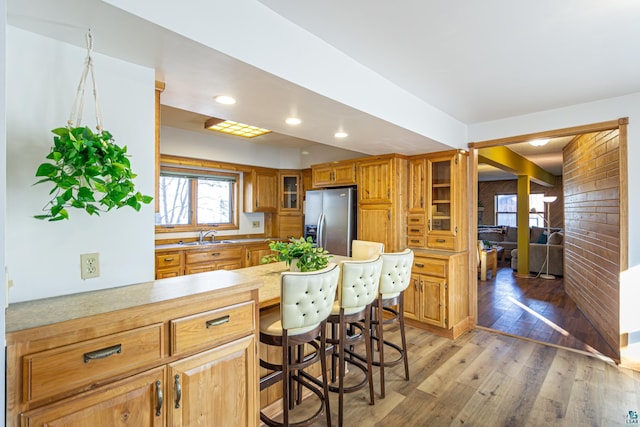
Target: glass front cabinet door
[{"x": 290, "y": 192}]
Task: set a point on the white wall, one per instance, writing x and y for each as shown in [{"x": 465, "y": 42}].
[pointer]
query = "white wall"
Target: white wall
[
  {"x": 43, "y": 258},
  {"x": 582, "y": 114},
  {"x": 3, "y": 188}
]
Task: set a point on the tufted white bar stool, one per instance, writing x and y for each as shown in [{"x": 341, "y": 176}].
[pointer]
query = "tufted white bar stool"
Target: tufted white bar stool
[
  {"x": 351, "y": 315},
  {"x": 395, "y": 277},
  {"x": 305, "y": 303},
  {"x": 363, "y": 249}
]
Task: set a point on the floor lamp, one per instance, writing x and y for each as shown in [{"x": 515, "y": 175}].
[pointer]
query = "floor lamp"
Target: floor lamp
[{"x": 548, "y": 200}]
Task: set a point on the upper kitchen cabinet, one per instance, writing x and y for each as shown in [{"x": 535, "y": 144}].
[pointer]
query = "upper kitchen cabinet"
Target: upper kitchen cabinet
[
  {"x": 445, "y": 190},
  {"x": 334, "y": 174},
  {"x": 261, "y": 190},
  {"x": 290, "y": 192}
]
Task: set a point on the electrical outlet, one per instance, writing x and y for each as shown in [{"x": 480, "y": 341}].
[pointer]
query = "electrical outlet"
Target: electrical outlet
[
  {"x": 90, "y": 265},
  {"x": 256, "y": 224}
]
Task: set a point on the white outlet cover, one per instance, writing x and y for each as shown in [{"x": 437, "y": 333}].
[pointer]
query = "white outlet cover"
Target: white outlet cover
[{"x": 90, "y": 265}]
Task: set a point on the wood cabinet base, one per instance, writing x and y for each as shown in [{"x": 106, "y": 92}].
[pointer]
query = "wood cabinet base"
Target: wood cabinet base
[{"x": 451, "y": 333}]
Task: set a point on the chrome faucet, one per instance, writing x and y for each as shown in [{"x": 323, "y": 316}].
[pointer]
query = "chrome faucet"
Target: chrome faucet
[{"x": 202, "y": 234}]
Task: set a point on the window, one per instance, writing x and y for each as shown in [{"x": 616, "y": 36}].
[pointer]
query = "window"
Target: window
[
  {"x": 190, "y": 199},
  {"x": 507, "y": 210}
]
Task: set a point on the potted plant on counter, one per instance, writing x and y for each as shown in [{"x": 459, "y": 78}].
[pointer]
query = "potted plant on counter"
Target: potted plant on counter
[{"x": 299, "y": 254}]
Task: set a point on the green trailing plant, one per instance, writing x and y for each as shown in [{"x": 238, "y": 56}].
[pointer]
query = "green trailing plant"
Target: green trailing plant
[
  {"x": 309, "y": 257},
  {"x": 89, "y": 172}
]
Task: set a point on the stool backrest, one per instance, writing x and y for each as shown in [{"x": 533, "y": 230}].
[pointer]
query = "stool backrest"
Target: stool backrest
[
  {"x": 360, "y": 283},
  {"x": 363, "y": 249},
  {"x": 396, "y": 272},
  {"x": 307, "y": 297}
]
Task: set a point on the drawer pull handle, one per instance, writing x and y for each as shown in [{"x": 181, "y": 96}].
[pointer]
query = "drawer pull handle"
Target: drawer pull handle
[
  {"x": 102, "y": 353},
  {"x": 440, "y": 240},
  {"x": 414, "y": 219},
  {"x": 217, "y": 322},
  {"x": 414, "y": 241},
  {"x": 215, "y": 254},
  {"x": 419, "y": 265},
  {"x": 159, "y": 398},
  {"x": 178, "y": 391},
  {"x": 168, "y": 259},
  {"x": 415, "y": 230}
]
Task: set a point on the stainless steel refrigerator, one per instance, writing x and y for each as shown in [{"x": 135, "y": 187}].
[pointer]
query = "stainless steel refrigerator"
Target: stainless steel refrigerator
[{"x": 330, "y": 218}]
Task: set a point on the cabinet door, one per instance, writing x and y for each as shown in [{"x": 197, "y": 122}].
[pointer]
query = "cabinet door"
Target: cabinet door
[
  {"x": 290, "y": 226},
  {"x": 261, "y": 191},
  {"x": 136, "y": 401},
  {"x": 289, "y": 192},
  {"x": 433, "y": 301},
  {"x": 412, "y": 298},
  {"x": 218, "y": 387},
  {"x": 417, "y": 185},
  {"x": 375, "y": 181},
  {"x": 440, "y": 195},
  {"x": 255, "y": 253},
  {"x": 321, "y": 176},
  {"x": 344, "y": 174},
  {"x": 374, "y": 224}
]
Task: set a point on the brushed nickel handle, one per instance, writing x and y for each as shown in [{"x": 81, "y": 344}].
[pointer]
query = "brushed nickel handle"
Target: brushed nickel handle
[
  {"x": 217, "y": 322},
  {"x": 102, "y": 353},
  {"x": 440, "y": 240},
  {"x": 178, "y": 390},
  {"x": 159, "y": 398},
  {"x": 414, "y": 240},
  {"x": 168, "y": 259},
  {"x": 419, "y": 265},
  {"x": 422, "y": 285}
]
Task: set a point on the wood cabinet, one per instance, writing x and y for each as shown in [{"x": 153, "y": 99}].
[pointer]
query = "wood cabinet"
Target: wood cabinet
[
  {"x": 290, "y": 226},
  {"x": 437, "y": 298},
  {"x": 176, "y": 352},
  {"x": 220, "y": 257},
  {"x": 335, "y": 174},
  {"x": 169, "y": 264},
  {"x": 382, "y": 200},
  {"x": 438, "y": 201},
  {"x": 254, "y": 253},
  {"x": 261, "y": 190},
  {"x": 290, "y": 192}
]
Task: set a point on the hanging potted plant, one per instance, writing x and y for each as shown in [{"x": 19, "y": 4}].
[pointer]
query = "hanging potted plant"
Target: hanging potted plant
[
  {"x": 299, "y": 254},
  {"x": 88, "y": 170}
]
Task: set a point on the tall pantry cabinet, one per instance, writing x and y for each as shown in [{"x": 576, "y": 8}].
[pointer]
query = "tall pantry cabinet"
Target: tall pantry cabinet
[{"x": 437, "y": 231}]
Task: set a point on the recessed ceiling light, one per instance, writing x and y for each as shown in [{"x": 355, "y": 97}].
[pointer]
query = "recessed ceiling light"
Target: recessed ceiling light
[
  {"x": 293, "y": 121},
  {"x": 341, "y": 134},
  {"x": 234, "y": 128},
  {"x": 538, "y": 142},
  {"x": 224, "y": 99}
]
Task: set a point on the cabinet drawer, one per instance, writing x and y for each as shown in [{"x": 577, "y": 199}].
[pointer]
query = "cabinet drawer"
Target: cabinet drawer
[
  {"x": 213, "y": 255},
  {"x": 415, "y": 230},
  {"x": 205, "y": 330},
  {"x": 416, "y": 241},
  {"x": 431, "y": 267},
  {"x": 168, "y": 259},
  {"x": 78, "y": 366},
  {"x": 415, "y": 220},
  {"x": 441, "y": 242}
]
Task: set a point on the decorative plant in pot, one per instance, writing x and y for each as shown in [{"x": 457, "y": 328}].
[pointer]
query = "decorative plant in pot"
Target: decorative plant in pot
[
  {"x": 300, "y": 254},
  {"x": 88, "y": 170}
]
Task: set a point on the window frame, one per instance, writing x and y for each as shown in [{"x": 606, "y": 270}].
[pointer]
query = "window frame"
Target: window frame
[
  {"x": 538, "y": 215},
  {"x": 200, "y": 168}
]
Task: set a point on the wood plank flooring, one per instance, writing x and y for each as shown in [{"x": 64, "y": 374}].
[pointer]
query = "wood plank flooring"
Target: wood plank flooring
[
  {"x": 538, "y": 309},
  {"x": 486, "y": 379}
]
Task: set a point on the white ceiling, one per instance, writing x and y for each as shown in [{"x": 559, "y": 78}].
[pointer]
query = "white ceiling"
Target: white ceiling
[{"x": 405, "y": 76}]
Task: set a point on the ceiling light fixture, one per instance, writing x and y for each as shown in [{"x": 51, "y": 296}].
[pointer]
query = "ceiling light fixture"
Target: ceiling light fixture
[
  {"x": 234, "y": 128},
  {"x": 538, "y": 142},
  {"x": 224, "y": 99},
  {"x": 293, "y": 121},
  {"x": 341, "y": 135}
]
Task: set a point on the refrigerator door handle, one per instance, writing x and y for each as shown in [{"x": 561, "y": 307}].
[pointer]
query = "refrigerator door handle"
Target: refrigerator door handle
[{"x": 320, "y": 232}]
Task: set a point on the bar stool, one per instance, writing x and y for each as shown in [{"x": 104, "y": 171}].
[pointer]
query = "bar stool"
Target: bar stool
[
  {"x": 363, "y": 249},
  {"x": 305, "y": 303},
  {"x": 395, "y": 277},
  {"x": 351, "y": 314}
]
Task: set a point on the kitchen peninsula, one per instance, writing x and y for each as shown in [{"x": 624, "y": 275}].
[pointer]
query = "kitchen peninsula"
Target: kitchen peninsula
[{"x": 140, "y": 353}]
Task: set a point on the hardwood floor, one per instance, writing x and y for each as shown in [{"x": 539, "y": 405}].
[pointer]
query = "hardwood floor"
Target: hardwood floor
[
  {"x": 488, "y": 379},
  {"x": 538, "y": 309}
]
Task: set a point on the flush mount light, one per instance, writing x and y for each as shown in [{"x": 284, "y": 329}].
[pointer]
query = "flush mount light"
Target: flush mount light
[
  {"x": 224, "y": 99},
  {"x": 293, "y": 121},
  {"x": 234, "y": 128},
  {"x": 538, "y": 142},
  {"x": 341, "y": 134}
]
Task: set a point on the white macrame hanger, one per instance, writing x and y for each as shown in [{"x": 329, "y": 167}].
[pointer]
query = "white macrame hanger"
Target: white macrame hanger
[{"x": 78, "y": 103}]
